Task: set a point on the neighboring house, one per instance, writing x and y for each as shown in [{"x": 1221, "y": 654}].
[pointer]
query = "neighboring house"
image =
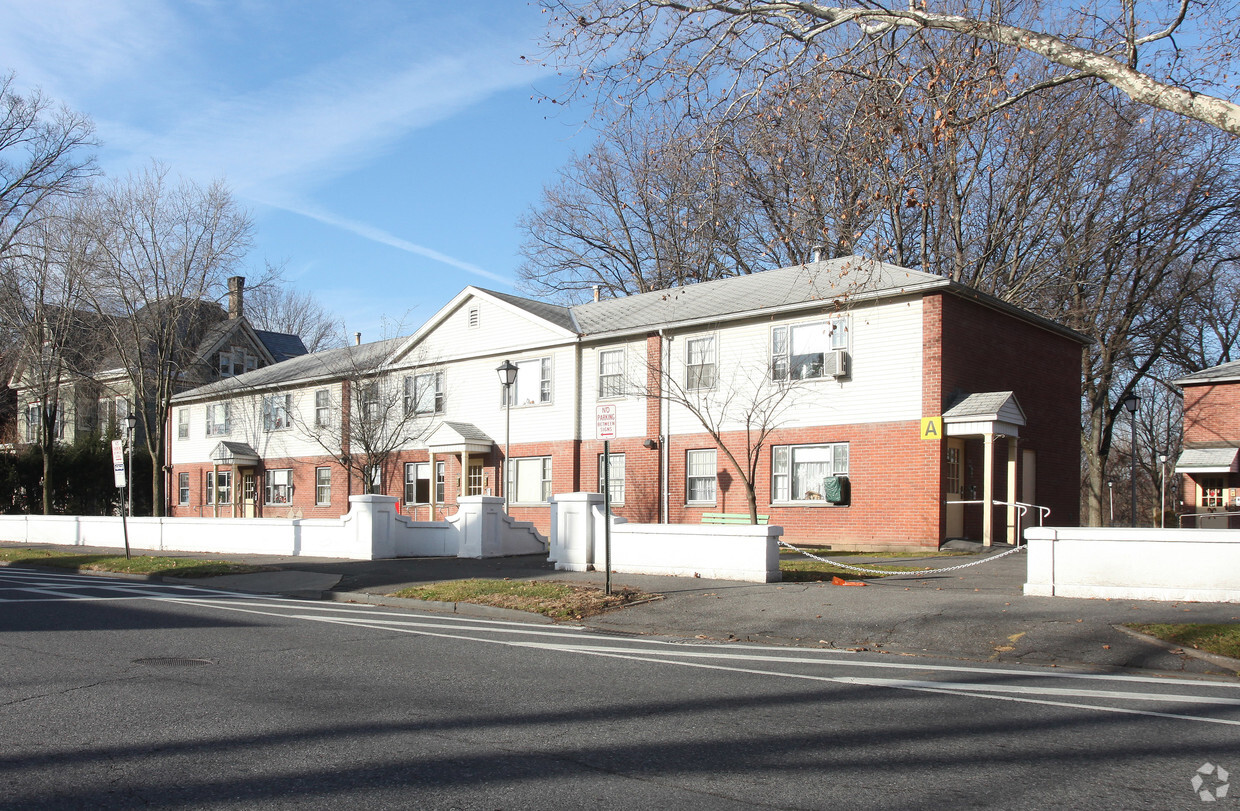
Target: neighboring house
[
  {"x": 1211, "y": 481},
  {"x": 96, "y": 394},
  {"x": 895, "y": 401}
]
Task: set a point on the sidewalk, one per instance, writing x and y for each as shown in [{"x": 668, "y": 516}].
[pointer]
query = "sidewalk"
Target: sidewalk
[{"x": 977, "y": 614}]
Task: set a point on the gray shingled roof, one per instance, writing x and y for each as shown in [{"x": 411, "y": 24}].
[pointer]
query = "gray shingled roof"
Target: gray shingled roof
[
  {"x": 981, "y": 404},
  {"x": 1215, "y": 374},
  {"x": 319, "y": 365},
  {"x": 560, "y": 316},
  {"x": 1208, "y": 460},
  {"x": 281, "y": 345},
  {"x": 826, "y": 282}
]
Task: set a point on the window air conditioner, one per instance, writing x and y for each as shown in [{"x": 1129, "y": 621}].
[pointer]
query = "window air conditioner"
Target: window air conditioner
[{"x": 838, "y": 362}]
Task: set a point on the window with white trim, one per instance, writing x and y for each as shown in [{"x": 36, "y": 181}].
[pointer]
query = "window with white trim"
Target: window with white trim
[
  {"x": 1212, "y": 491},
  {"x": 322, "y": 408},
  {"x": 700, "y": 476},
  {"x": 183, "y": 489},
  {"x": 533, "y": 384},
  {"x": 801, "y": 351},
  {"x": 278, "y": 486},
  {"x": 219, "y": 487},
  {"x": 276, "y": 408},
  {"x": 616, "y": 474},
  {"x": 798, "y": 471},
  {"x": 368, "y": 397},
  {"x": 236, "y": 361},
  {"x": 417, "y": 482},
  {"x": 441, "y": 478},
  {"x": 182, "y": 423},
  {"x": 529, "y": 480},
  {"x": 217, "y": 419},
  {"x": 610, "y": 373},
  {"x": 322, "y": 486},
  {"x": 700, "y": 362},
  {"x": 424, "y": 393}
]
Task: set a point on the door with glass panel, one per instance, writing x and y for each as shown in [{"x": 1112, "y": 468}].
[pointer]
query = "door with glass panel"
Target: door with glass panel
[{"x": 953, "y": 485}]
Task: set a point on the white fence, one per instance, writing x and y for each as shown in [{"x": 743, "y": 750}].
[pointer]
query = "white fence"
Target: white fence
[
  {"x": 371, "y": 530},
  {"x": 748, "y": 552},
  {"x": 1134, "y": 564}
]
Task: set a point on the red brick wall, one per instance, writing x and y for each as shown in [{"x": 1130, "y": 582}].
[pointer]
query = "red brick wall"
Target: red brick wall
[
  {"x": 987, "y": 350},
  {"x": 1212, "y": 414}
]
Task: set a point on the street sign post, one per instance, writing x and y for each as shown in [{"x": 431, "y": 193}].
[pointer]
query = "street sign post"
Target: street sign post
[
  {"x": 118, "y": 475},
  {"x": 605, "y": 429}
]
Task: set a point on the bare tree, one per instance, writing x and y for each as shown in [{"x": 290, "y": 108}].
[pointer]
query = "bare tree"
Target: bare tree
[
  {"x": 278, "y": 307},
  {"x": 163, "y": 253},
  {"x": 45, "y": 153},
  {"x": 726, "y": 53}
]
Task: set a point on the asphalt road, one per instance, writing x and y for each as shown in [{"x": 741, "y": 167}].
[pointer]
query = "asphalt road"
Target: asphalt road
[{"x": 125, "y": 694}]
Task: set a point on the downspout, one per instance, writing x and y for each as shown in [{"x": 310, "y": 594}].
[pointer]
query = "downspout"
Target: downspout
[{"x": 665, "y": 357}]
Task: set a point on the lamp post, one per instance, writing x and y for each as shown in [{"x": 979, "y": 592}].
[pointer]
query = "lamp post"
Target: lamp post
[
  {"x": 1130, "y": 404},
  {"x": 131, "y": 424},
  {"x": 1111, "y": 492},
  {"x": 1162, "y": 491},
  {"x": 507, "y": 376}
]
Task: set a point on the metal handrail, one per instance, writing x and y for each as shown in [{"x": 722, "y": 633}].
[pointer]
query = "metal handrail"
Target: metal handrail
[
  {"x": 1021, "y": 506},
  {"x": 1198, "y": 516}
]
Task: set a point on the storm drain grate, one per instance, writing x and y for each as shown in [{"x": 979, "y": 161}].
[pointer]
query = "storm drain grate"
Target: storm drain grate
[{"x": 172, "y": 661}]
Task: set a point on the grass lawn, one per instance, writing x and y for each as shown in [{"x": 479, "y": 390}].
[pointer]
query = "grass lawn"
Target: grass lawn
[
  {"x": 138, "y": 564},
  {"x": 561, "y": 601},
  {"x": 1222, "y": 639}
]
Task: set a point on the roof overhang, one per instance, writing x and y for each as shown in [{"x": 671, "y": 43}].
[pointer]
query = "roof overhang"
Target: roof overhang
[
  {"x": 234, "y": 453},
  {"x": 1209, "y": 460},
  {"x": 991, "y": 412},
  {"x": 459, "y": 437}
]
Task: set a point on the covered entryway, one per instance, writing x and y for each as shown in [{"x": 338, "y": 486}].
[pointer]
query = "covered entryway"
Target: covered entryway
[
  {"x": 239, "y": 459},
  {"x": 992, "y": 417},
  {"x": 1211, "y": 472},
  {"x": 469, "y": 444}
]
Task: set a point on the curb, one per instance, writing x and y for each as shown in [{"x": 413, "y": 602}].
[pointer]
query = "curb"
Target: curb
[
  {"x": 1213, "y": 658},
  {"x": 462, "y": 609}
]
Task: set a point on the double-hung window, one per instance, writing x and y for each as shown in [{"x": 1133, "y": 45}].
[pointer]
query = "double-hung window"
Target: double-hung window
[
  {"x": 615, "y": 472},
  {"x": 279, "y": 486},
  {"x": 529, "y": 480},
  {"x": 219, "y": 487},
  {"x": 805, "y": 351},
  {"x": 798, "y": 472},
  {"x": 610, "y": 373},
  {"x": 182, "y": 423},
  {"x": 183, "y": 489},
  {"x": 368, "y": 396},
  {"x": 424, "y": 393},
  {"x": 217, "y": 419},
  {"x": 322, "y": 408},
  {"x": 276, "y": 408},
  {"x": 700, "y": 472},
  {"x": 417, "y": 482},
  {"x": 700, "y": 362},
  {"x": 1212, "y": 492},
  {"x": 533, "y": 384},
  {"x": 322, "y": 486}
]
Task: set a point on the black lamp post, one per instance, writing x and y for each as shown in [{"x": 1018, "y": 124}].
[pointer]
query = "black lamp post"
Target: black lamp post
[
  {"x": 508, "y": 376},
  {"x": 1130, "y": 404},
  {"x": 131, "y": 425}
]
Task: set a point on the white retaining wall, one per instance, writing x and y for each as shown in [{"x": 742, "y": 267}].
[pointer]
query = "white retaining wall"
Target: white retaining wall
[
  {"x": 1200, "y": 565},
  {"x": 747, "y": 552},
  {"x": 371, "y": 530}
]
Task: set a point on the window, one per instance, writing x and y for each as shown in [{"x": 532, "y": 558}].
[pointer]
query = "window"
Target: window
[
  {"x": 182, "y": 423},
  {"x": 1212, "y": 492},
  {"x": 278, "y": 486},
  {"x": 236, "y": 361},
  {"x": 952, "y": 478},
  {"x": 700, "y": 362},
  {"x": 217, "y": 419},
  {"x": 529, "y": 480},
  {"x": 219, "y": 487},
  {"x": 33, "y": 422},
  {"x": 610, "y": 373},
  {"x": 798, "y": 471},
  {"x": 441, "y": 476},
  {"x": 417, "y": 482},
  {"x": 474, "y": 479},
  {"x": 183, "y": 489},
  {"x": 533, "y": 386},
  {"x": 424, "y": 393},
  {"x": 276, "y": 409},
  {"x": 800, "y": 351},
  {"x": 322, "y": 486},
  {"x": 700, "y": 477},
  {"x": 374, "y": 475},
  {"x": 616, "y": 473},
  {"x": 368, "y": 395},
  {"x": 322, "y": 408}
]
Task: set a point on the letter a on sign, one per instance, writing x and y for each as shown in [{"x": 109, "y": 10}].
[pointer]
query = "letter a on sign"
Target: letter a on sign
[{"x": 931, "y": 427}]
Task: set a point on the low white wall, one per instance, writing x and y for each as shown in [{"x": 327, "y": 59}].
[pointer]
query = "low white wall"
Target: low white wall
[
  {"x": 747, "y": 552},
  {"x": 1201, "y": 565},
  {"x": 372, "y": 530}
]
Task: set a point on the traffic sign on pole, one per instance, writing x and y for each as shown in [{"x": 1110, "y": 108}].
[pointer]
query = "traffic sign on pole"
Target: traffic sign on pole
[
  {"x": 605, "y": 422},
  {"x": 118, "y": 461}
]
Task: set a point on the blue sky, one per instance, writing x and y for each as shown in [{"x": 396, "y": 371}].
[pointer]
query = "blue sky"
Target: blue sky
[{"x": 384, "y": 149}]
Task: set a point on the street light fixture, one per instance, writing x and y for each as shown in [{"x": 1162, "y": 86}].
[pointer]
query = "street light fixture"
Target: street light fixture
[
  {"x": 1162, "y": 490},
  {"x": 507, "y": 376},
  {"x": 1131, "y": 402},
  {"x": 131, "y": 425}
]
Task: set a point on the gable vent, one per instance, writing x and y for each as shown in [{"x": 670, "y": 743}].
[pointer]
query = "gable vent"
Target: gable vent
[{"x": 473, "y": 317}]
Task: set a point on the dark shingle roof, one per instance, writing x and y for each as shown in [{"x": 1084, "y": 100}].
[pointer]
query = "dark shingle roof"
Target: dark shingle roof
[
  {"x": 560, "y": 316},
  {"x": 281, "y": 345}
]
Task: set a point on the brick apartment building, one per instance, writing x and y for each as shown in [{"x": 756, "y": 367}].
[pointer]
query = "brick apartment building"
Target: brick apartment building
[
  {"x": 871, "y": 406},
  {"x": 1211, "y": 484}
]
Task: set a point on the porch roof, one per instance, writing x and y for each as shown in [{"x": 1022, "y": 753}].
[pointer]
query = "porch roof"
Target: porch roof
[
  {"x": 1208, "y": 460},
  {"x": 458, "y": 437},
  {"x": 987, "y": 412},
  {"x": 234, "y": 453}
]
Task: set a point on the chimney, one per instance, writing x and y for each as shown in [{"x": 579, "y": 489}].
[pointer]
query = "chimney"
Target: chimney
[
  {"x": 595, "y": 288},
  {"x": 357, "y": 338},
  {"x": 236, "y": 296}
]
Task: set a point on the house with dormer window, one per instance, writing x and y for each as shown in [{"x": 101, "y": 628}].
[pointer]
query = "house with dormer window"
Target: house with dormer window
[{"x": 857, "y": 403}]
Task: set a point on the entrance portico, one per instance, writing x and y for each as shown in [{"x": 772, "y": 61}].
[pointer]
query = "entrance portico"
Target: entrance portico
[
  {"x": 991, "y": 416},
  {"x": 469, "y": 444}
]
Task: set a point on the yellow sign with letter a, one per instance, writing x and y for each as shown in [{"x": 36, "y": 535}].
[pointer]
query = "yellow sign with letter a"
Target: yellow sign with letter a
[{"x": 931, "y": 427}]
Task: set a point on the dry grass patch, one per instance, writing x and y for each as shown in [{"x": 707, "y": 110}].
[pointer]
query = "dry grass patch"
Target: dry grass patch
[
  {"x": 1223, "y": 638},
  {"x": 560, "y": 601}
]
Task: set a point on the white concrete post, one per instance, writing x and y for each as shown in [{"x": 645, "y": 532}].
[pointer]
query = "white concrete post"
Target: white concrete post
[
  {"x": 573, "y": 527},
  {"x": 479, "y": 525},
  {"x": 374, "y": 517}
]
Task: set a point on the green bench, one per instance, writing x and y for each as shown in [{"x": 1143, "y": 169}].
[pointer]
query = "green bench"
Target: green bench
[{"x": 731, "y": 518}]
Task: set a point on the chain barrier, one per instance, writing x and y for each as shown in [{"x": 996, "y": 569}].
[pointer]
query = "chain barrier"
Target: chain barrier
[{"x": 929, "y": 570}]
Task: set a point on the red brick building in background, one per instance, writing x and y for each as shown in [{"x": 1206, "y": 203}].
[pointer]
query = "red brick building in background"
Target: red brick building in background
[
  {"x": 869, "y": 405},
  {"x": 1210, "y": 486}
]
